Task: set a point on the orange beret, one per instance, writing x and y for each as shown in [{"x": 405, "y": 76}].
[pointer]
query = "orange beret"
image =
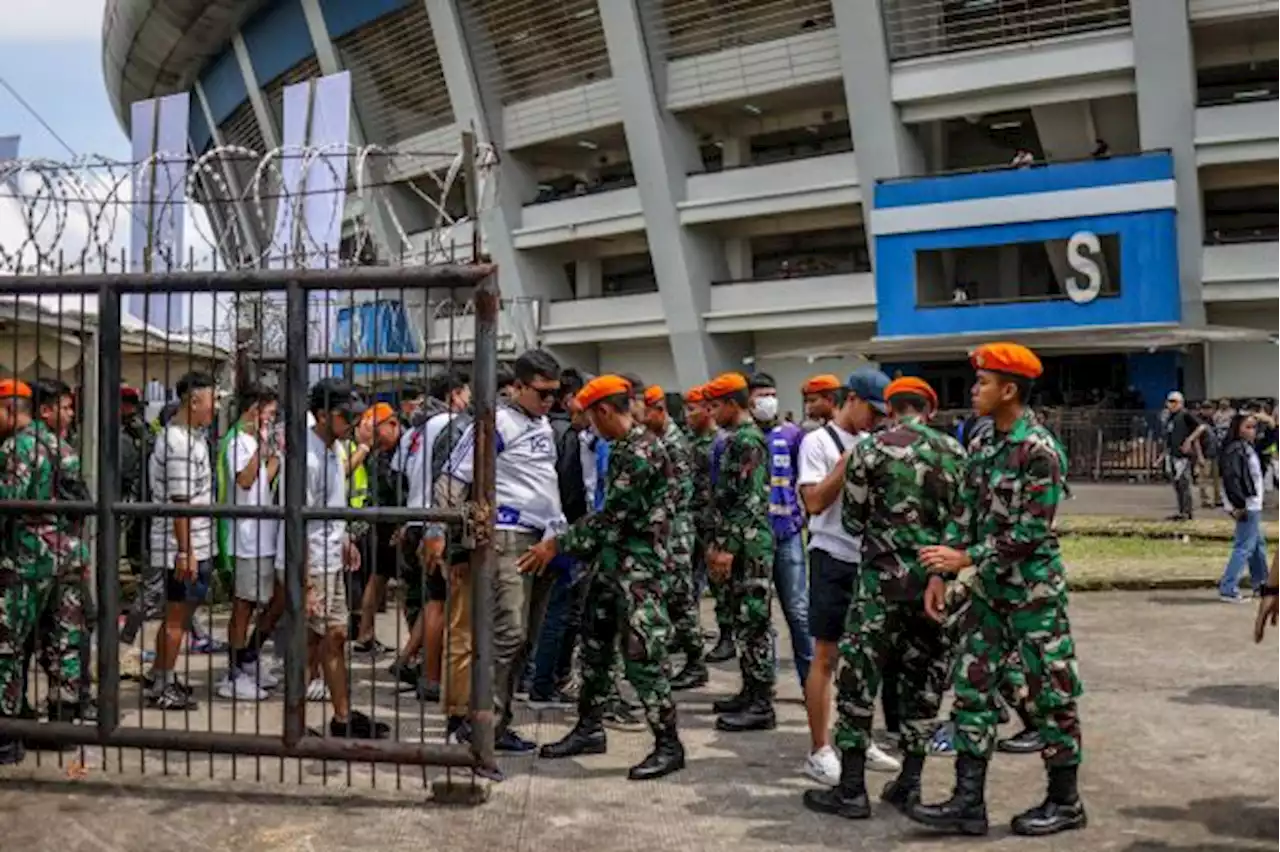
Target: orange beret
[
  {"x": 694, "y": 395},
  {"x": 824, "y": 383},
  {"x": 723, "y": 385},
  {"x": 602, "y": 387},
  {"x": 653, "y": 395},
  {"x": 1012, "y": 359},
  {"x": 910, "y": 384},
  {"x": 379, "y": 413},
  {"x": 14, "y": 387}
]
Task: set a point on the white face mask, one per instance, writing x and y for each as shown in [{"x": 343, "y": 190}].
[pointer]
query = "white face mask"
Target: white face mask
[{"x": 764, "y": 408}]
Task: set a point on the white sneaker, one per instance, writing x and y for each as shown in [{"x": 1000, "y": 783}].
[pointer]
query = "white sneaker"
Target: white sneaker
[
  {"x": 879, "y": 761},
  {"x": 823, "y": 766},
  {"x": 260, "y": 673},
  {"x": 236, "y": 686},
  {"x": 317, "y": 690}
]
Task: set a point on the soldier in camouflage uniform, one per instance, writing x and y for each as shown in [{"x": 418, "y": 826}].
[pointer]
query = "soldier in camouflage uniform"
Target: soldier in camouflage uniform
[
  {"x": 704, "y": 436},
  {"x": 741, "y": 551},
  {"x": 629, "y": 539},
  {"x": 1003, "y": 529},
  {"x": 682, "y": 602},
  {"x": 901, "y": 482},
  {"x": 42, "y": 567}
]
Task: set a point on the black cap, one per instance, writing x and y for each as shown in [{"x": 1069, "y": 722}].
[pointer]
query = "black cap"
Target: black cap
[{"x": 335, "y": 395}]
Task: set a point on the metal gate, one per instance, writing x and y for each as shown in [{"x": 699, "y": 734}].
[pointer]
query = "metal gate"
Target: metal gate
[{"x": 120, "y": 724}]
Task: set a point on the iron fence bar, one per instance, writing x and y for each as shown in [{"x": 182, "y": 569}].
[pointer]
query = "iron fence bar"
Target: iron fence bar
[
  {"x": 446, "y": 276},
  {"x": 419, "y": 358},
  {"x": 229, "y": 743},
  {"x": 485, "y": 383},
  {"x": 295, "y": 530},
  {"x": 107, "y": 550},
  {"x": 217, "y": 511}
]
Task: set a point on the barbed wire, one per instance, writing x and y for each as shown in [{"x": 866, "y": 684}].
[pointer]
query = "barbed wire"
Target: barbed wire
[{"x": 58, "y": 216}]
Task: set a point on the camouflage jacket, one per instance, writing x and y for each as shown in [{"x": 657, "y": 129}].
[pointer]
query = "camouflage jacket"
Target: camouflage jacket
[
  {"x": 701, "y": 447},
  {"x": 900, "y": 488},
  {"x": 1005, "y": 511},
  {"x": 37, "y": 465},
  {"x": 740, "y": 512},
  {"x": 631, "y": 533}
]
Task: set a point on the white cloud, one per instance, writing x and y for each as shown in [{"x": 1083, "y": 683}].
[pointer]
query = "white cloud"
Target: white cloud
[{"x": 51, "y": 20}]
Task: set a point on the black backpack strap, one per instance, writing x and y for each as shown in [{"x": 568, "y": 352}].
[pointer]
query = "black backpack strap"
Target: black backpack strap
[{"x": 835, "y": 436}]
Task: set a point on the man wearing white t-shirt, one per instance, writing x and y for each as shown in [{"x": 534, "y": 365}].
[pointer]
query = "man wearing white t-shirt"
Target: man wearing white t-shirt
[
  {"x": 330, "y": 552},
  {"x": 180, "y": 471},
  {"x": 849, "y": 411},
  {"x": 250, "y": 464}
]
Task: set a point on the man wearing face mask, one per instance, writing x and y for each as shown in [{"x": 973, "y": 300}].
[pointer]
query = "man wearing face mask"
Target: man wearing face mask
[{"x": 789, "y": 571}]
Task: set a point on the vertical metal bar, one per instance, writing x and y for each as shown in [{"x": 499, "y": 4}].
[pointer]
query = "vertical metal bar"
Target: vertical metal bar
[
  {"x": 295, "y": 491},
  {"x": 485, "y": 387},
  {"x": 471, "y": 187},
  {"x": 108, "y": 543}
]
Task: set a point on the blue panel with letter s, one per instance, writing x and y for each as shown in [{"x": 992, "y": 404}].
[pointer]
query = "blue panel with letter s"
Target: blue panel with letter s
[{"x": 1147, "y": 274}]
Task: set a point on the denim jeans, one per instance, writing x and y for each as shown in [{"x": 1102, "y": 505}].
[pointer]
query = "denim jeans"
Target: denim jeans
[
  {"x": 546, "y": 657},
  {"x": 791, "y": 580},
  {"x": 1250, "y": 547}
]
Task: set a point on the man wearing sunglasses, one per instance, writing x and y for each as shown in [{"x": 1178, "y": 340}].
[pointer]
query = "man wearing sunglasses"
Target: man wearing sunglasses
[{"x": 528, "y": 511}]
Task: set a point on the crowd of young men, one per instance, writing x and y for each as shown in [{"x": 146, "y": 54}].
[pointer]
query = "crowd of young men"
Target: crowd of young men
[{"x": 929, "y": 565}]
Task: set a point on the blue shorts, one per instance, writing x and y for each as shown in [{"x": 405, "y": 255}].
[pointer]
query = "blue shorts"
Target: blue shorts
[{"x": 189, "y": 591}]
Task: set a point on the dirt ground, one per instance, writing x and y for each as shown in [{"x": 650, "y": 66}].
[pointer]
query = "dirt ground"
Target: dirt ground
[{"x": 1180, "y": 722}]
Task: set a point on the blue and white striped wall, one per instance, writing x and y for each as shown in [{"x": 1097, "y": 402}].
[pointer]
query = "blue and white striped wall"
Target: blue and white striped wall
[{"x": 1129, "y": 197}]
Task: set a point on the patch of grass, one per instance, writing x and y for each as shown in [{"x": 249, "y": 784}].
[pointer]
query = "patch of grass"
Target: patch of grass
[
  {"x": 1210, "y": 528},
  {"x": 1105, "y": 562}
]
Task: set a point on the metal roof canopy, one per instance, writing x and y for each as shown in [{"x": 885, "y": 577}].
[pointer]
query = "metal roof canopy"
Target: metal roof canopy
[{"x": 1070, "y": 340}]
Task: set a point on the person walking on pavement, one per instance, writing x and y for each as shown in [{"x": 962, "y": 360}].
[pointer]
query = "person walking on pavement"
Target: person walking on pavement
[
  {"x": 1182, "y": 431},
  {"x": 682, "y": 605},
  {"x": 900, "y": 487},
  {"x": 849, "y": 411},
  {"x": 630, "y": 539},
  {"x": 1243, "y": 488},
  {"x": 1003, "y": 530},
  {"x": 741, "y": 553}
]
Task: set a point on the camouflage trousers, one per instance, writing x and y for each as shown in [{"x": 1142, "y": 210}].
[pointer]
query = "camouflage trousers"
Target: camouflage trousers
[
  {"x": 751, "y": 603},
  {"x": 878, "y": 632},
  {"x": 724, "y": 607},
  {"x": 626, "y": 612},
  {"x": 1017, "y": 646},
  {"x": 682, "y": 606},
  {"x": 52, "y": 611}
]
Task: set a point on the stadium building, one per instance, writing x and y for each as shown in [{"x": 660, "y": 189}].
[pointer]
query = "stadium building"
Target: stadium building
[{"x": 693, "y": 185}]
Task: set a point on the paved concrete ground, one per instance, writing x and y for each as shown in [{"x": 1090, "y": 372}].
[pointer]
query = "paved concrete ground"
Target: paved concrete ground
[
  {"x": 1181, "y": 746},
  {"x": 1132, "y": 500}
]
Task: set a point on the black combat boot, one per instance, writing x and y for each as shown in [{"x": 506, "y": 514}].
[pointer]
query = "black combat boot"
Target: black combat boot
[
  {"x": 587, "y": 737},
  {"x": 724, "y": 650},
  {"x": 1026, "y": 741},
  {"x": 966, "y": 811},
  {"x": 732, "y": 704},
  {"x": 757, "y": 715},
  {"x": 667, "y": 755},
  {"x": 693, "y": 675},
  {"x": 849, "y": 798},
  {"x": 1061, "y": 810},
  {"x": 904, "y": 791}
]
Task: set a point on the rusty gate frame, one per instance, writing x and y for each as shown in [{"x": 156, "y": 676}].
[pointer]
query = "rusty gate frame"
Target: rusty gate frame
[{"x": 109, "y": 507}]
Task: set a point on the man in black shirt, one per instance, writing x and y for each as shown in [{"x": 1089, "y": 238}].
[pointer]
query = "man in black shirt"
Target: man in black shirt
[{"x": 1182, "y": 431}]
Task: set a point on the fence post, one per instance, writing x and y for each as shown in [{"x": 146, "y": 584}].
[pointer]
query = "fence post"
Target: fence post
[
  {"x": 485, "y": 383},
  {"x": 107, "y": 572},
  {"x": 1097, "y": 458},
  {"x": 295, "y": 495}
]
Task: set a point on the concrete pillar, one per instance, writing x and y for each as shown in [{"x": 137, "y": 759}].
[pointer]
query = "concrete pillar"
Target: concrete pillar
[
  {"x": 1066, "y": 130},
  {"x": 266, "y": 126},
  {"x": 521, "y": 274},
  {"x": 883, "y": 145},
  {"x": 663, "y": 152},
  {"x": 737, "y": 252},
  {"x": 734, "y": 151},
  {"x": 1165, "y": 73},
  {"x": 588, "y": 275}
]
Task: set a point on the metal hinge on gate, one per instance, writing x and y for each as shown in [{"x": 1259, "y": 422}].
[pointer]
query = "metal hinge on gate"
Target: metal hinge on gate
[{"x": 476, "y": 524}]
